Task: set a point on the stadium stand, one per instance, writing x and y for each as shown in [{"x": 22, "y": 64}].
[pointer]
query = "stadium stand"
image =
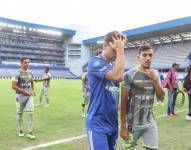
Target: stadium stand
[
  {"x": 164, "y": 56},
  {"x": 43, "y": 44},
  {"x": 170, "y": 40},
  {"x": 57, "y": 72}
]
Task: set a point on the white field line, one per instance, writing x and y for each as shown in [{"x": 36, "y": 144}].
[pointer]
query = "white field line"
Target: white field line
[
  {"x": 55, "y": 142},
  {"x": 74, "y": 138}
]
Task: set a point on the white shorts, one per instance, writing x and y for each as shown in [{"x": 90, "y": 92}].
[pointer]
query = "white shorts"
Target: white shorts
[
  {"x": 24, "y": 103},
  {"x": 148, "y": 134},
  {"x": 86, "y": 96},
  {"x": 44, "y": 90}
]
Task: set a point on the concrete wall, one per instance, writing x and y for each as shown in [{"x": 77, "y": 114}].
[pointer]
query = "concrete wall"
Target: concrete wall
[{"x": 75, "y": 65}]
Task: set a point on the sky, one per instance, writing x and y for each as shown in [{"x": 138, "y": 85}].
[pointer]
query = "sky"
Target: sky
[{"x": 101, "y": 16}]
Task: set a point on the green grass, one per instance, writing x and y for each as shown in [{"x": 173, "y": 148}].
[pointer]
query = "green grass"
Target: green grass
[{"x": 62, "y": 120}]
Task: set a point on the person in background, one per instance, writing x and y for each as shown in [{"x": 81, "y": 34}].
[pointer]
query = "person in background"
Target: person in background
[
  {"x": 172, "y": 81},
  {"x": 187, "y": 89}
]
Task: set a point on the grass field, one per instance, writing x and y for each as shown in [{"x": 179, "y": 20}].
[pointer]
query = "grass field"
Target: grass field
[{"x": 63, "y": 120}]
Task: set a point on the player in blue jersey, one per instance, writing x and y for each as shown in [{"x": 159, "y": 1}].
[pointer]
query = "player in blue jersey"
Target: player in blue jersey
[{"x": 104, "y": 77}]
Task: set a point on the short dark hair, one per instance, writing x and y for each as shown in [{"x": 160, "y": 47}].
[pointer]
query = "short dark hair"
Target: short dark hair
[
  {"x": 47, "y": 68},
  {"x": 144, "y": 48},
  {"x": 23, "y": 58},
  {"x": 175, "y": 64},
  {"x": 108, "y": 37}
]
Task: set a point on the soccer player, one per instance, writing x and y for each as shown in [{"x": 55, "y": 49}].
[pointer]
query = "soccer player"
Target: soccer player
[
  {"x": 45, "y": 86},
  {"x": 104, "y": 77},
  {"x": 86, "y": 92},
  {"x": 24, "y": 87},
  {"x": 137, "y": 97}
]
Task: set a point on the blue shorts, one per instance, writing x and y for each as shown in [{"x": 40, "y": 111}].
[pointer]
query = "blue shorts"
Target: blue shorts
[{"x": 102, "y": 141}]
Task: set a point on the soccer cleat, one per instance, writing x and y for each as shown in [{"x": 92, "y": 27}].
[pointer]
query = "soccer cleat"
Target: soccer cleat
[
  {"x": 21, "y": 134},
  {"x": 83, "y": 115},
  {"x": 129, "y": 145},
  {"x": 188, "y": 118},
  {"x": 39, "y": 105},
  {"x": 31, "y": 136},
  {"x": 47, "y": 105}
]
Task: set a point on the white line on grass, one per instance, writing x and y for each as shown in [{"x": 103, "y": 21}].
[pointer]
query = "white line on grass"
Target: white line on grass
[
  {"x": 75, "y": 138},
  {"x": 55, "y": 142}
]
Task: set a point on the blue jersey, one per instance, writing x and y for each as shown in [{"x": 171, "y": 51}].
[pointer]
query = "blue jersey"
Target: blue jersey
[{"x": 102, "y": 113}]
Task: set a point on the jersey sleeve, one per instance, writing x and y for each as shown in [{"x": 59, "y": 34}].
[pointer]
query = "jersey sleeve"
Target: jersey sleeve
[
  {"x": 126, "y": 82},
  {"x": 49, "y": 76},
  {"x": 16, "y": 76},
  {"x": 98, "y": 68},
  {"x": 83, "y": 76},
  {"x": 169, "y": 75},
  {"x": 32, "y": 76}
]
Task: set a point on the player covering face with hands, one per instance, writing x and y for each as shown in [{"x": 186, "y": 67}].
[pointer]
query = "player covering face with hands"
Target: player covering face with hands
[{"x": 104, "y": 77}]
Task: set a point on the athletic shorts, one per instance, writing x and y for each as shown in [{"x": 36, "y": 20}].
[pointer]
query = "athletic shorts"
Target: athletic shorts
[
  {"x": 44, "y": 90},
  {"x": 24, "y": 104},
  {"x": 148, "y": 134},
  {"x": 86, "y": 98},
  {"x": 102, "y": 141}
]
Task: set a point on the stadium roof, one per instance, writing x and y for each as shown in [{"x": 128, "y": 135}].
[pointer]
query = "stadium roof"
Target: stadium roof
[
  {"x": 11, "y": 22},
  {"x": 160, "y": 29}
]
